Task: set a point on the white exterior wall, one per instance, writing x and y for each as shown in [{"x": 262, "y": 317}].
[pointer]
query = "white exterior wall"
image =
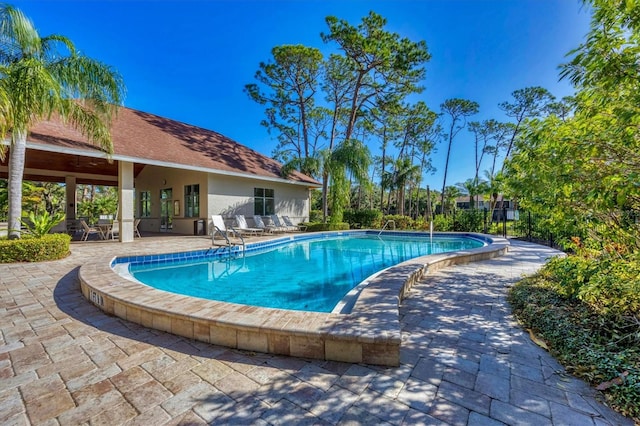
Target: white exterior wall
[
  {"x": 153, "y": 179},
  {"x": 229, "y": 196},
  {"x": 219, "y": 194}
]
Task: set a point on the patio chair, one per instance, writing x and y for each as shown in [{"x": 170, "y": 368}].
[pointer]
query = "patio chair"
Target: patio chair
[
  {"x": 260, "y": 224},
  {"x": 73, "y": 226},
  {"x": 88, "y": 230},
  {"x": 289, "y": 224},
  {"x": 114, "y": 230},
  {"x": 135, "y": 228},
  {"x": 241, "y": 226}
]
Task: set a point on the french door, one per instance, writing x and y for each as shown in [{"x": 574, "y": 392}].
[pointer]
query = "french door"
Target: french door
[{"x": 166, "y": 210}]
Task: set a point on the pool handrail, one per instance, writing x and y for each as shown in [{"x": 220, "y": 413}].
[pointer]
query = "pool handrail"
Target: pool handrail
[{"x": 387, "y": 223}]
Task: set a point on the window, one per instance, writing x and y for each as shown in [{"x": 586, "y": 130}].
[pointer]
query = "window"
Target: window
[
  {"x": 145, "y": 204},
  {"x": 264, "y": 202},
  {"x": 192, "y": 201}
]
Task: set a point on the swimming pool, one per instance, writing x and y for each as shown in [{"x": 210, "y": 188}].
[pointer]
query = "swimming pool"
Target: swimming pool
[
  {"x": 368, "y": 331},
  {"x": 309, "y": 275}
]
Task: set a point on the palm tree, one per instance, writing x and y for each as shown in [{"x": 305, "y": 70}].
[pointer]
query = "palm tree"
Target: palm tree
[
  {"x": 448, "y": 198},
  {"x": 472, "y": 187},
  {"x": 493, "y": 188},
  {"x": 45, "y": 76},
  {"x": 350, "y": 156},
  {"x": 405, "y": 172}
]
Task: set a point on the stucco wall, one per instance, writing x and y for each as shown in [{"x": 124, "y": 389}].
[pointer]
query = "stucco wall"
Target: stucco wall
[
  {"x": 225, "y": 195},
  {"x": 231, "y": 196},
  {"x": 153, "y": 179}
]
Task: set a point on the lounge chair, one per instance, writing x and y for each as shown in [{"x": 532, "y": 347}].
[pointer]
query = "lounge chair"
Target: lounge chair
[
  {"x": 242, "y": 227},
  {"x": 260, "y": 224},
  {"x": 88, "y": 230},
  {"x": 279, "y": 225},
  {"x": 288, "y": 223},
  {"x": 220, "y": 228}
]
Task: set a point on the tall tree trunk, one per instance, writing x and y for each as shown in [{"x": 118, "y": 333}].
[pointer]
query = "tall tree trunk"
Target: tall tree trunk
[
  {"x": 325, "y": 196},
  {"x": 384, "y": 164},
  {"x": 353, "y": 113},
  {"x": 400, "y": 200},
  {"x": 325, "y": 173},
  {"x": 446, "y": 168},
  {"x": 17, "y": 156},
  {"x": 410, "y": 206}
]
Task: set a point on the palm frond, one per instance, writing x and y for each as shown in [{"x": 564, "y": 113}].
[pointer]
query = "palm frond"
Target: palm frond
[
  {"x": 91, "y": 80},
  {"x": 90, "y": 124},
  {"x": 17, "y": 33}
]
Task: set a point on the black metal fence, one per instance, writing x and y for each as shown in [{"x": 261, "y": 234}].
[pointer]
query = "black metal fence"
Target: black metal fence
[
  {"x": 507, "y": 223},
  {"x": 530, "y": 227}
]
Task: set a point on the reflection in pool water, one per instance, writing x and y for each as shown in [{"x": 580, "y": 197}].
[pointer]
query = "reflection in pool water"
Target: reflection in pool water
[{"x": 309, "y": 275}]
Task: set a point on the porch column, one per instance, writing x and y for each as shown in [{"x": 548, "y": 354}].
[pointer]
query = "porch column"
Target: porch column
[
  {"x": 125, "y": 200},
  {"x": 70, "y": 196}
]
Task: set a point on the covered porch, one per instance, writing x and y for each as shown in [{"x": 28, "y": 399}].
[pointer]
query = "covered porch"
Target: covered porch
[{"x": 73, "y": 167}]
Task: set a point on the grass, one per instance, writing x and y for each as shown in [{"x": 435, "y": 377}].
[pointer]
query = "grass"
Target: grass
[{"x": 604, "y": 350}]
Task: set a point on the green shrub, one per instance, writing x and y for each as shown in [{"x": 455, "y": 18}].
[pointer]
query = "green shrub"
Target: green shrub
[
  {"x": 569, "y": 274},
  {"x": 29, "y": 249},
  {"x": 315, "y": 216},
  {"x": 363, "y": 218},
  {"x": 317, "y": 227},
  {"x": 402, "y": 222},
  {"x": 39, "y": 225},
  {"x": 609, "y": 284},
  {"x": 442, "y": 223},
  {"x": 468, "y": 221},
  {"x": 595, "y": 347},
  {"x": 420, "y": 224},
  {"x": 615, "y": 289}
]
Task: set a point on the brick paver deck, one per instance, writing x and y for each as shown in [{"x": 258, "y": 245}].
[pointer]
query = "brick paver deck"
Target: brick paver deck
[{"x": 463, "y": 360}]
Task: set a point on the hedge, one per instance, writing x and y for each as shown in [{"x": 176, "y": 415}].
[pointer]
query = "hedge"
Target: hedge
[
  {"x": 317, "y": 227},
  {"x": 29, "y": 249},
  {"x": 363, "y": 218}
]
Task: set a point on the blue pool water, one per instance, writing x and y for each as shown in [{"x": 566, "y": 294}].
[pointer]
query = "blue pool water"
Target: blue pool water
[{"x": 310, "y": 274}]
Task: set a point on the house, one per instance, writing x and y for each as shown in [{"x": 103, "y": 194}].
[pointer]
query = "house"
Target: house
[
  {"x": 172, "y": 175},
  {"x": 481, "y": 202}
]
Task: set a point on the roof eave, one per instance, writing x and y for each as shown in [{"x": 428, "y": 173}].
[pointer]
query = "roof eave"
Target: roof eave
[{"x": 99, "y": 154}]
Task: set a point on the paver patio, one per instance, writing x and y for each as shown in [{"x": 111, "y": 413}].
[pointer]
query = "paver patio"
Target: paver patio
[{"x": 463, "y": 360}]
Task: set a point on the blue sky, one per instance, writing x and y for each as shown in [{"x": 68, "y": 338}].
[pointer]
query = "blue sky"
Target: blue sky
[{"x": 189, "y": 60}]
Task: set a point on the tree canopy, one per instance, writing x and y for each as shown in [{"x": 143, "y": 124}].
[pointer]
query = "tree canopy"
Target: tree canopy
[
  {"x": 323, "y": 109},
  {"x": 583, "y": 170},
  {"x": 42, "y": 76}
]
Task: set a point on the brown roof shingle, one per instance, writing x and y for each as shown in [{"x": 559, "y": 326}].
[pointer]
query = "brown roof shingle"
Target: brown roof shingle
[{"x": 149, "y": 138}]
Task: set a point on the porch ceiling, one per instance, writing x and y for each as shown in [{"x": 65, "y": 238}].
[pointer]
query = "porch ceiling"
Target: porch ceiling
[{"x": 46, "y": 166}]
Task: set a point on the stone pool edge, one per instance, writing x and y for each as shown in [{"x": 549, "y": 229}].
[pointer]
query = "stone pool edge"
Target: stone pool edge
[{"x": 369, "y": 334}]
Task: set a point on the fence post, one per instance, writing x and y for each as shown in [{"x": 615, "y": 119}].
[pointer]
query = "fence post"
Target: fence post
[
  {"x": 504, "y": 222},
  {"x": 485, "y": 220},
  {"x": 529, "y": 236}
]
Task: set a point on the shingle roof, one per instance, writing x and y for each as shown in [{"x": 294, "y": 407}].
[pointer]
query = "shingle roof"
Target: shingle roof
[{"x": 150, "y": 139}]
